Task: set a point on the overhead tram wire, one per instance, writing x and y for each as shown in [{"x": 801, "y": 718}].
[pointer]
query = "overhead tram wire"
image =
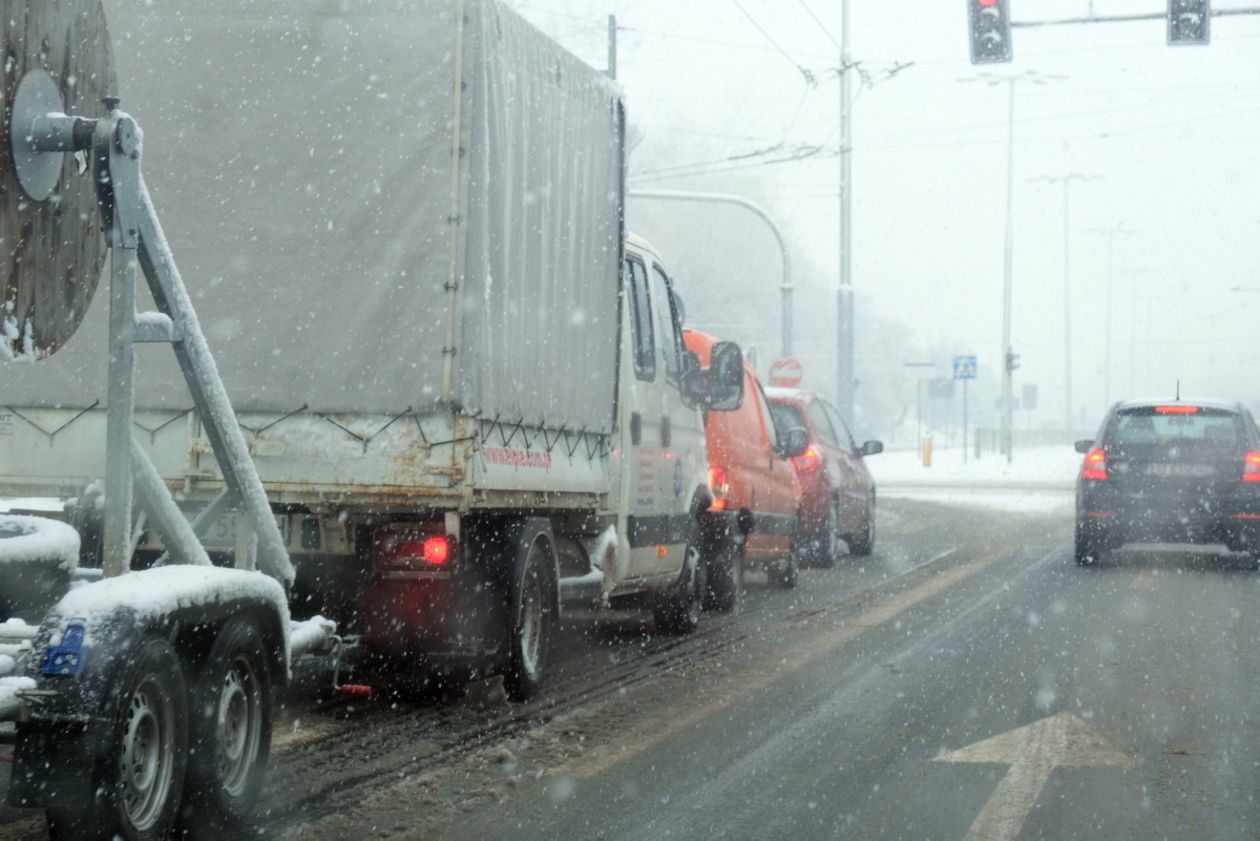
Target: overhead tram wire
[
  {"x": 810, "y": 77},
  {"x": 821, "y": 25}
]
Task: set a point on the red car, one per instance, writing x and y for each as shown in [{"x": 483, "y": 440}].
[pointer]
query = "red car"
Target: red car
[
  {"x": 751, "y": 477},
  {"x": 838, "y": 493}
]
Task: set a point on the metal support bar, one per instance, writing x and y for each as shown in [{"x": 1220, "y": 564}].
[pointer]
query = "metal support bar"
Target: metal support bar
[
  {"x": 178, "y": 535},
  {"x": 785, "y": 286}
]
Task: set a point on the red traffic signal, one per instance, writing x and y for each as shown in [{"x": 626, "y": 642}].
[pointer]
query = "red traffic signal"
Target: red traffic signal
[{"x": 990, "y": 22}]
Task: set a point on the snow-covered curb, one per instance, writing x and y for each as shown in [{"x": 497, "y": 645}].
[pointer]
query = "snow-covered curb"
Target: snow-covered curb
[{"x": 26, "y": 539}]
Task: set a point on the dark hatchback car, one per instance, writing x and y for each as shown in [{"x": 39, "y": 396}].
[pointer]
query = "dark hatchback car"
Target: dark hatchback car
[{"x": 1174, "y": 472}]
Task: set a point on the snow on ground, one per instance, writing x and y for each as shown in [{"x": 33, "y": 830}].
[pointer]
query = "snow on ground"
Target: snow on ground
[{"x": 1036, "y": 480}]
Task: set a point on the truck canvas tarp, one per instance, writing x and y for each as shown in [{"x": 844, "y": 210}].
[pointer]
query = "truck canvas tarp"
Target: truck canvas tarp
[{"x": 378, "y": 207}]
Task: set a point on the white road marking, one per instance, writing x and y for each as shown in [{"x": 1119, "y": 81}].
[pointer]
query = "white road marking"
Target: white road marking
[{"x": 1032, "y": 752}]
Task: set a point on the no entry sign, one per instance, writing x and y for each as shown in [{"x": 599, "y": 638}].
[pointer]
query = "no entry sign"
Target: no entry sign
[{"x": 785, "y": 373}]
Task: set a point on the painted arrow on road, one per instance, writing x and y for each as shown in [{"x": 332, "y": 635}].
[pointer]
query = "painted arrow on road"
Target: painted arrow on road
[{"x": 1032, "y": 752}]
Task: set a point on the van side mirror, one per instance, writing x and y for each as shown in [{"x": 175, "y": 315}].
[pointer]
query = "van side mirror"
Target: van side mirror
[
  {"x": 720, "y": 387},
  {"x": 871, "y": 448},
  {"x": 1084, "y": 446},
  {"x": 795, "y": 442}
]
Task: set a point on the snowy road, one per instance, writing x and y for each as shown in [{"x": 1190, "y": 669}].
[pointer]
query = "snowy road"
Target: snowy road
[{"x": 967, "y": 681}]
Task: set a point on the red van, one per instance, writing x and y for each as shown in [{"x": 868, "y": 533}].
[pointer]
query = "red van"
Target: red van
[
  {"x": 838, "y": 493},
  {"x": 751, "y": 475}
]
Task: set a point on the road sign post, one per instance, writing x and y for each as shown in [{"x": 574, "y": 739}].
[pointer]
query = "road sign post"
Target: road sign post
[{"x": 965, "y": 370}]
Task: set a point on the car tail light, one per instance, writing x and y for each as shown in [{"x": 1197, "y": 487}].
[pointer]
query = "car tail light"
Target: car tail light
[
  {"x": 1095, "y": 465},
  {"x": 1176, "y": 410},
  {"x": 808, "y": 461},
  {"x": 1251, "y": 467},
  {"x": 721, "y": 487},
  {"x": 409, "y": 550}
]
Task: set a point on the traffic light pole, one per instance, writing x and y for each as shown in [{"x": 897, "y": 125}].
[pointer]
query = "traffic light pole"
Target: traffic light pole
[
  {"x": 844, "y": 297},
  {"x": 1008, "y": 267}
]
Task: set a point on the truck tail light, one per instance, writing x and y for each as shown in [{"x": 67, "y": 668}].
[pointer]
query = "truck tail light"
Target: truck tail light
[
  {"x": 808, "y": 461},
  {"x": 721, "y": 487},
  {"x": 1251, "y": 467},
  {"x": 1095, "y": 465},
  {"x": 411, "y": 550}
]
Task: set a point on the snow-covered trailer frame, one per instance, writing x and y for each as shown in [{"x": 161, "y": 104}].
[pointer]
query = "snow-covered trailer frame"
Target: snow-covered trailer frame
[{"x": 134, "y": 684}]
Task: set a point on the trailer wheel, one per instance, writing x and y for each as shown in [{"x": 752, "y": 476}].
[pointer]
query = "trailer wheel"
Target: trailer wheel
[
  {"x": 143, "y": 756},
  {"x": 532, "y": 616},
  {"x": 231, "y": 730}
]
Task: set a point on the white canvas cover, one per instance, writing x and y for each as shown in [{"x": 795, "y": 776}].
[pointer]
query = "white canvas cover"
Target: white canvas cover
[{"x": 326, "y": 170}]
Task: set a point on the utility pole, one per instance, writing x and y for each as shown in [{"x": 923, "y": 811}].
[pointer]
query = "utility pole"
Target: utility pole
[
  {"x": 844, "y": 298},
  {"x": 1066, "y": 181},
  {"x": 612, "y": 46}
]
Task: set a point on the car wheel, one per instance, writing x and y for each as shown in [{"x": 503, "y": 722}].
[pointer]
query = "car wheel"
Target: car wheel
[
  {"x": 1087, "y": 547},
  {"x": 723, "y": 580},
  {"x": 784, "y": 575},
  {"x": 863, "y": 543},
  {"x": 679, "y": 612},
  {"x": 533, "y": 621},
  {"x": 825, "y": 544}
]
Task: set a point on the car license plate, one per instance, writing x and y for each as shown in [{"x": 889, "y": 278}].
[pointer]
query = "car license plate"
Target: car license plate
[{"x": 1177, "y": 469}]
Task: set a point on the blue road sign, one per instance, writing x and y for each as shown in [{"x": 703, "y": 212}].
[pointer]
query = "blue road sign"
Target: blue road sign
[{"x": 964, "y": 367}]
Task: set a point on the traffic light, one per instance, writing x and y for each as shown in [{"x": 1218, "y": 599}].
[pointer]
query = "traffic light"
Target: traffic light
[
  {"x": 1012, "y": 360},
  {"x": 1188, "y": 21},
  {"x": 991, "y": 30}
]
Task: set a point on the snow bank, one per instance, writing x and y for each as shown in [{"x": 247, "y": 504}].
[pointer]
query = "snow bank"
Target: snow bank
[
  {"x": 153, "y": 593},
  {"x": 32, "y": 503},
  {"x": 1044, "y": 467},
  {"x": 9, "y": 687},
  {"x": 36, "y": 540}
]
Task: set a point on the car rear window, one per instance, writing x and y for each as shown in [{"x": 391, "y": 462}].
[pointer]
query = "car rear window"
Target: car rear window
[{"x": 1177, "y": 425}]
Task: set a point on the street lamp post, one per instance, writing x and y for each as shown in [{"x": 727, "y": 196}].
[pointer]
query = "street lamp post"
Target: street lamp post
[
  {"x": 785, "y": 286},
  {"x": 1008, "y": 251},
  {"x": 1111, "y": 233},
  {"x": 1066, "y": 181}
]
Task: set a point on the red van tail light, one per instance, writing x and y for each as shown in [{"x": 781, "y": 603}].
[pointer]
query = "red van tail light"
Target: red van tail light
[
  {"x": 808, "y": 461},
  {"x": 721, "y": 487},
  {"x": 1095, "y": 465},
  {"x": 1251, "y": 467},
  {"x": 409, "y": 550}
]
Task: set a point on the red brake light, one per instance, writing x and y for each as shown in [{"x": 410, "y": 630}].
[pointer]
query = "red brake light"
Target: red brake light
[
  {"x": 808, "y": 461},
  {"x": 1251, "y": 467},
  {"x": 410, "y": 551},
  {"x": 1176, "y": 410},
  {"x": 1095, "y": 465},
  {"x": 721, "y": 487}
]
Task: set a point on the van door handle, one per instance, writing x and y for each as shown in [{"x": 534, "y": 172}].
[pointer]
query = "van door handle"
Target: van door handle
[{"x": 665, "y": 431}]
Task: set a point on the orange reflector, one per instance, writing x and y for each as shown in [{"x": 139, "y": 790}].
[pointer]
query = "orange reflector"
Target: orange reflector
[
  {"x": 1176, "y": 410},
  {"x": 1100, "y": 513},
  {"x": 662, "y": 550}
]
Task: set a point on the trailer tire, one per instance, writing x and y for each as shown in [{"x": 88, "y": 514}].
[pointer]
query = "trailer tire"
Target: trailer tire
[
  {"x": 141, "y": 758},
  {"x": 230, "y": 740},
  {"x": 532, "y": 614}
]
